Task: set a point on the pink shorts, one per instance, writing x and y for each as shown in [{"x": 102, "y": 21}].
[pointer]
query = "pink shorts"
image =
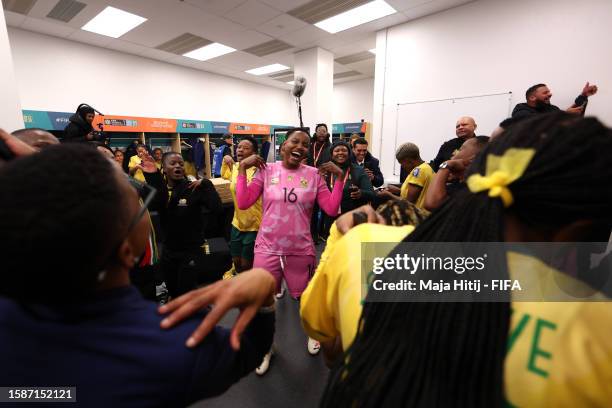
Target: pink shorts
[{"x": 296, "y": 269}]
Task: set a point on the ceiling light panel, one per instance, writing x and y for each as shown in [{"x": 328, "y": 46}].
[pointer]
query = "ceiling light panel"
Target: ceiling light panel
[
  {"x": 183, "y": 44},
  {"x": 357, "y": 16},
  {"x": 319, "y": 10},
  {"x": 113, "y": 22},
  {"x": 66, "y": 10},
  {"x": 210, "y": 51},
  {"x": 268, "y": 69}
]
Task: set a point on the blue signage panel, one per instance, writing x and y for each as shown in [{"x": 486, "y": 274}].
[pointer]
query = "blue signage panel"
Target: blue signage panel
[
  {"x": 59, "y": 120},
  {"x": 193, "y": 126},
  {"x": 220, "y": 127}
]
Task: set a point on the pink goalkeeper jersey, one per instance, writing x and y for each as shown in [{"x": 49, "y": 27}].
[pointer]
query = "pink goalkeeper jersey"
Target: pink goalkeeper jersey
[{"x": 288, "y": 199}]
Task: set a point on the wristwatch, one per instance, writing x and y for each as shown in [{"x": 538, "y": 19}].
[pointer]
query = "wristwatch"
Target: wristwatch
[{"x": 443, "y": 165}]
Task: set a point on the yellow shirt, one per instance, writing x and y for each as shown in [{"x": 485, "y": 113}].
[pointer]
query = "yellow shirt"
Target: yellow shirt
[
  {"x": 559, "y": 353},
  {"x": 331, "y": 304},
  {"x": 244, "y": 220},
  {"x": 420, "y": 176},
  {"x": 135, "y": 161},
  {"x": 190, "y": 169}
]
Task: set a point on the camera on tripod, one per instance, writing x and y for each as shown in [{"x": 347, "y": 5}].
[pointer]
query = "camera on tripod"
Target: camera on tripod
[{"x": 99, "y": 135}]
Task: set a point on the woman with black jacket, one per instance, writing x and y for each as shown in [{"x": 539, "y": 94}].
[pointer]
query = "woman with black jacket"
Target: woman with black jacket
[
  {"x": 180, "y": 208},
  {"x": 358, "y": 188},
  {"x": 318, "y": 152},
  {"x": 79, "y": 129}
]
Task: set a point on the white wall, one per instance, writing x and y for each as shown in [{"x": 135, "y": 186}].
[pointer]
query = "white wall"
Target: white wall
[
  {"x": 493, "y": 46},
  {"x": 57, "y": 75},
  {"x": 10, "y": 109},
  {"x": 317, "y": 65},
  {"x": 353, "y": 101}
]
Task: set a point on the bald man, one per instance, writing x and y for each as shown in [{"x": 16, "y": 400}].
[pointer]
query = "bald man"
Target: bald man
[
  {"x": 35, "y": 137},
  {"x": 464, "y": 129}
]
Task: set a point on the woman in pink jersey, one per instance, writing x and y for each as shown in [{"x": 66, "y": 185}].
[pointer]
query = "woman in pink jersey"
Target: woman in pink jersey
[{"x": 290, "y": 189}]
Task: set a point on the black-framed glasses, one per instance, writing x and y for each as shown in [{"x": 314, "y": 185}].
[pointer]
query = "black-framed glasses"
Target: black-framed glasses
[{"x": 146, "y": 194}]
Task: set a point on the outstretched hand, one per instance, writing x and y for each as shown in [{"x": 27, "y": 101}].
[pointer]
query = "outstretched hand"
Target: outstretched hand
[
  {"x": 147, "y": 164},
  {"x": 248, "y": 291},
  {"x": 227, "y": 159},
  {"x": 576, "y": 110},
  {"x": 195, "y": 184},
  {"x": 393, "y": 189},
  {"x": 385, "y": 193},
  {"x": 330, "y": 167},
  {"x": 589, "y": 90},
  {"x": 252, "y": 161}
]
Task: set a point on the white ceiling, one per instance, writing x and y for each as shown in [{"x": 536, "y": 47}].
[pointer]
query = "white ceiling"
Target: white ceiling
[{"x": 237, "y": 23}]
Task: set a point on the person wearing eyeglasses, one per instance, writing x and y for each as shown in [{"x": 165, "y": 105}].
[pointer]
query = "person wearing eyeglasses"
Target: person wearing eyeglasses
[
  {"x": 68, "y": 314},
  {"x": 180, "y": 207}
]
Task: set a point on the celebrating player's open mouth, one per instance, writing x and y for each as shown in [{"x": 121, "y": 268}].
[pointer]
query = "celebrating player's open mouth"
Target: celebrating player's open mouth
[{"x": 297, "y": 155}]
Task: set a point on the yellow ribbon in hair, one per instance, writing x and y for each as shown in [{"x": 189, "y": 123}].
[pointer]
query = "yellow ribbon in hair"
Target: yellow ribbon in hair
[{"x": 501, "y": 171}]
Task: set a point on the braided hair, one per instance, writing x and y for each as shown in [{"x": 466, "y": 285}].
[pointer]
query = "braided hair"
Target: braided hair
[
  {"x": 61, "y": 214},
  {"x": 402, "y": 212},
  {"x": 452, "y": 354}
]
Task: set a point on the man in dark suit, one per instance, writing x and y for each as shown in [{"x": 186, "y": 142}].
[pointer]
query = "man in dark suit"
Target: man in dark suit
[{"x": 361, "y": 157}]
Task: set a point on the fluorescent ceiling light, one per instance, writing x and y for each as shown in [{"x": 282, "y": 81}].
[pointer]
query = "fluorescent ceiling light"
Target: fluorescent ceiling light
[
  {"x": 268, "y": 69},
  {"x": 113, "y": 22},
  {"x": 373, "y": 51},
  {"x": 209, "y": 51},
  {"x": 357, "y": 16},
  {"x": 291, "y": 82}
]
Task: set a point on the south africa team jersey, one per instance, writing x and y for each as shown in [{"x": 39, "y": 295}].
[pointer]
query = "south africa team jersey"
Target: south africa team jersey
[{"x": 288, "y": 199}]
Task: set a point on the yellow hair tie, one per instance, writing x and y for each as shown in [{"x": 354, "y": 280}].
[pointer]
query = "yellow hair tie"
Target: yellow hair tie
[{"x": 501, "y": 171}]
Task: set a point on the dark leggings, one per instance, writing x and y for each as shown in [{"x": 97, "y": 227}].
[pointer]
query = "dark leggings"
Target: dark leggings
[
  {"x": 316, "y": 222},
  {"x": 180, "y": 270}
]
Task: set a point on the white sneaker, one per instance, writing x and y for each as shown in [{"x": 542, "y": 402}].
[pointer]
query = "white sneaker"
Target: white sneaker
[
  {"x": 280, "y": 294},
  {"x": 313, "y": 347},
  {"x": 265, "y": 364}
]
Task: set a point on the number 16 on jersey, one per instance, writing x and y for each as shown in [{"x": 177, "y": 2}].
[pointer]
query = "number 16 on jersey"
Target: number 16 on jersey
[{"x": 290, "y": 196}]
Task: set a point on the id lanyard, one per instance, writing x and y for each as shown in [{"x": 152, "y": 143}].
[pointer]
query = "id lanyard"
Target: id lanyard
[
  {"x": 316, "y": 156},
  {"x": 346, "y": 176}
]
